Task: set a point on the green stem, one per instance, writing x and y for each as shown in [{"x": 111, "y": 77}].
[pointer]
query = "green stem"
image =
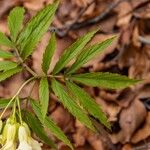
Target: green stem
[
  {"x": 14, "y": 110},
  {"x": 23, "y": 64},
  {"x": 20, "y": 116},
  {"x": 19, "y": 90},
  {"x": 56, "y": 76}
]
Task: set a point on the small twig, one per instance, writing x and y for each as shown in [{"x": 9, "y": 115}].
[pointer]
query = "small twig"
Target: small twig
[
  {"x": 144, "y": 40},
  {"x": 135, "y": 8},
  {"x": 64, "y": 30},
  {"x": 98, "y": 18},
  {"x": 142, "y": 147},
  {"x": 76, "y": 25}
]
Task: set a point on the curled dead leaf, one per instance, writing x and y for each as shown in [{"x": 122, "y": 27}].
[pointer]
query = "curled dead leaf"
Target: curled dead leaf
[
  {"x": 34, "y": 4},
  {"x": 129, "y": 121},
  {"x": 80, "y": 135},
  {"x": 127, "y": 147},
  {"x": 124, "y": 11},
  {"x": 143, "y": 132}
]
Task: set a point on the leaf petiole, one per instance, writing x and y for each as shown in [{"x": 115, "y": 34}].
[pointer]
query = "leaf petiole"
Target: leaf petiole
[
  {"x": 24, "y": 64},
  {"x": 14, "y": 110}
]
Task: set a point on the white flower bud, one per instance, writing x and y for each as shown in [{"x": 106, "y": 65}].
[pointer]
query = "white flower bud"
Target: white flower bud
[
  {"x": 23, "y": 134},
  {"x": 24, "y": 146},
  {"x": 25, "y": 139},
  {"x": 10, "y": 145},
  {"x": 11, "y": 132},
  {"x": 4, "y": 134},
  {"x": 9, "y": 136},
  {"x": 35, "y": 144}
]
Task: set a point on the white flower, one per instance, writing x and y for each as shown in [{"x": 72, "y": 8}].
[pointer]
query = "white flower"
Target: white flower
[
  {"x": 35, "y": 144},
  {"x": 10, "y": 145},
  {"x": 25, "y": 139},
  {"x": 24, "y": 146},
  {"x": 4, "y": 134},
  {"x": 9, "y": 136}
]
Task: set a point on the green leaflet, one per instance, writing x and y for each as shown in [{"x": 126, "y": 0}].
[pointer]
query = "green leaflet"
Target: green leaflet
[
  {"x": 5, "y": 41},
  {"x": 44, "y": 96},
  {"x": 15, "y": 20},
  {"x": 35, "y": 29},
  {"x": 37, "y": 128},
  {"x": 7, "y": 65},
  {"x": 104, "y": 80},
  {"x": 88, "y": 103},
  {"x": 72, "y": 51},
  {"x": 9, "y": 73},
  {"x": 88, "y": 53},
  {"x": 6, "y": 54},
  {"x": 4, "y": 102},
  {"x": 68, "y": 103},
  {"x": 48, "y": 54},
  {"x": 48, "y": 123}
]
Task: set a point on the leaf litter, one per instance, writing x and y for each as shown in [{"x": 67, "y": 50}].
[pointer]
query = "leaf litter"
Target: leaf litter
[{"x": 129, "y": 55}]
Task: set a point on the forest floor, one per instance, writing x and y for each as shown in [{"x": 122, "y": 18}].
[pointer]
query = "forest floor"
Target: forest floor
[{"x": 128, "y": 110}]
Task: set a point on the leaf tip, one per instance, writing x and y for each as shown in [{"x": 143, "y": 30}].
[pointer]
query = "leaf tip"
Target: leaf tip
[
  {"x": 114, "y": 37},
  {"x": 56, "y": 2}
]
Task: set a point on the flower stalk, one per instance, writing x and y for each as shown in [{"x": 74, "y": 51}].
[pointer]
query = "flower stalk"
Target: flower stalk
[{"x": 17, "y": 93}]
